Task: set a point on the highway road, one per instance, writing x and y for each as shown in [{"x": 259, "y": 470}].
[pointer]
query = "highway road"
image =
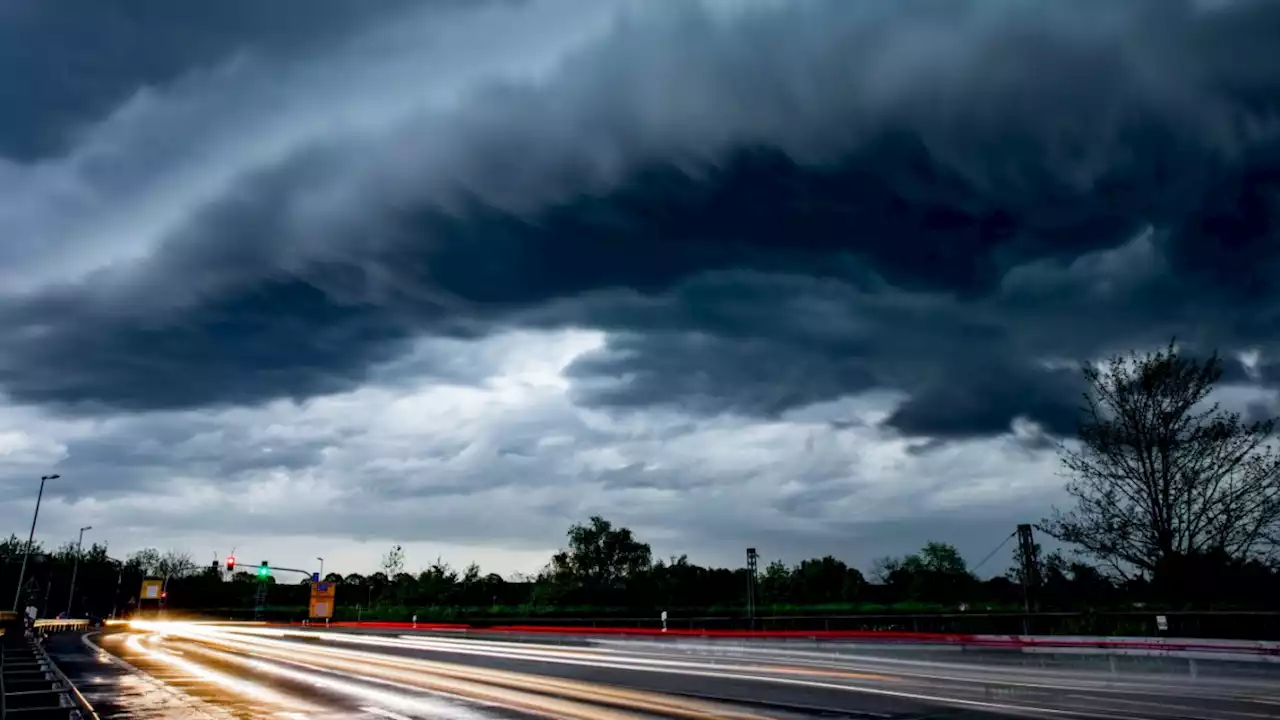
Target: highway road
[{"x": 157, "y": 671}]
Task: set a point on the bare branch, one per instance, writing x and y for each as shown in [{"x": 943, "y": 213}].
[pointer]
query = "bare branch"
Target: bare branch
[{"x": 1159, "y": 474}]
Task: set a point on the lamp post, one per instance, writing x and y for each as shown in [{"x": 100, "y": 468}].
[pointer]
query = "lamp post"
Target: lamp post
[
  {"x": 71, "y": 594},
  {"x": 115, "y": 599},
  {"x": 321, "y": 568},
  {"x": 22, "y": 574}
]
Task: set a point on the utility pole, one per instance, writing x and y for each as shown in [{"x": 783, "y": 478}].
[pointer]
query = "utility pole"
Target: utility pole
[
  {"x": 752, "y": 561},
  {"x": 115, "y": 599},
  {"x": 1030, "y": 569},
  {"x": 75, "y": 569}
]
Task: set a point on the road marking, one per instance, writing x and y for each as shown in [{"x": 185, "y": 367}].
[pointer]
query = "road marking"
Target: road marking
[
  {"x": 385, "y": 713},
  {"x": 1164, "y": 707},
  {"x": 815, "y": 672}
]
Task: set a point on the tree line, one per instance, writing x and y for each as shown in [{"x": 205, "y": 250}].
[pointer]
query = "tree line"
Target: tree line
[{"x": 1177, "y": 502}]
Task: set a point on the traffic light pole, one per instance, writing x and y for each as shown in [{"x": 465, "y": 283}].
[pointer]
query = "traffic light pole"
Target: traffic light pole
[
  {"x": 264, "y": 572},
  {"x": 308, "y": 573}
]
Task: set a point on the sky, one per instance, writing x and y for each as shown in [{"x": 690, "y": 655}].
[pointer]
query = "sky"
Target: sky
[{"x": 310, "y": 278}]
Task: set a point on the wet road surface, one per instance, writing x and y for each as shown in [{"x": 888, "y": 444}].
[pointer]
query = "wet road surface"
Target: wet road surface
[
  {"x": 180, "y": 670},
  {"x": 144, "y": 676}
]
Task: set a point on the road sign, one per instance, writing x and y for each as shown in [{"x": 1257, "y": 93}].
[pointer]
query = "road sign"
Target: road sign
[
  {"x": 322, "y": 598},
  {"x": 151, "y": 589}
]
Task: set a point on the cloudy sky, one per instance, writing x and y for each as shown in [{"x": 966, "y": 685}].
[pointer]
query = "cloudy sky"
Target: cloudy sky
[{"x": 312, "y": 277}]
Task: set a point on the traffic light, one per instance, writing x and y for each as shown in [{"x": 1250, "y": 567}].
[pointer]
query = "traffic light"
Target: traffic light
[
  {"x": 264, "y": 571},
  {"x": 231, "y": 563}
]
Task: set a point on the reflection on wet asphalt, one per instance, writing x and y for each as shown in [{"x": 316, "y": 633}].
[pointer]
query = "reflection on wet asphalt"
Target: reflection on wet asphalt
[
  {"x": 150, "y": 678},
  {"x": 170, "y": 670}
]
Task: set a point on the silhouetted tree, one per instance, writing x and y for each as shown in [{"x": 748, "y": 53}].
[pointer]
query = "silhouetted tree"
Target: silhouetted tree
[
  {"x": 174, "y": 564},
  {"x": 393, "y": 561},
  {"x": 1162, "y": 480},
  {"x": 937, "y": 573},
  {"x": 775, "y": 583},
  {"x": 825, "y": 580},
  {"x": 145, "y": 561},
  {"x": 438, "y": 582},
  {"x": 600, "y": 559}
]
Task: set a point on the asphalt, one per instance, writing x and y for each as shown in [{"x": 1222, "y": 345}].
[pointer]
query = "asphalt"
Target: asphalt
[
  {"x": 125, "y": 678},
  {"x": 183, "y": 671}
]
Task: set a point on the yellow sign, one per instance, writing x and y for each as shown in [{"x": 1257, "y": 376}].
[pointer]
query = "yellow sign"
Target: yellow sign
[
  {"x": 322, "y": 596},
  {"x": 151, "y": 589}
]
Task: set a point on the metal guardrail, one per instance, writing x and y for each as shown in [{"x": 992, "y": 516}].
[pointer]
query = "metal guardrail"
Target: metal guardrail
[
  {"x": 1236, "y": 624},
  {"x": 82, "y": 710},
  {"x": 31, "y": 684},
  {"x": 57, "y": 625}
]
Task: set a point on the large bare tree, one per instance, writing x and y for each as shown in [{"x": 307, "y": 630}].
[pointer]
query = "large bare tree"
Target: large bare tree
[
  {"x": 175, "y": 563},
  {"x": 1161, "y": 475}
]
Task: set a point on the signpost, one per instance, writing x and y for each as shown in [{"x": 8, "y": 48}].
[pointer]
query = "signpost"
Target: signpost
[
  {"x": 322, "y": 597},
  {"x": 152, "y": 594},
  {"x": 151, "y": 589}
]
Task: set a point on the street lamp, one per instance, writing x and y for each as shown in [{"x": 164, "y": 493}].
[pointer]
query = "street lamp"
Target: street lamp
[
  {"x": 321, "y": 568},
  {"x": 115, "y": 599},
  {"x": 76, "y": 568},
  {"x": 17, "y": 594}
]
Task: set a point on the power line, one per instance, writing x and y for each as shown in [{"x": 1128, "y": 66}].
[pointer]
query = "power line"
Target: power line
[{"x": 992, "y": 554}]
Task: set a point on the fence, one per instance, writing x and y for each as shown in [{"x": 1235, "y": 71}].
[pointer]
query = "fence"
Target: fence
[
  {"x": 1231, "y": 625},
  {"x": 1240, "y": 625}
]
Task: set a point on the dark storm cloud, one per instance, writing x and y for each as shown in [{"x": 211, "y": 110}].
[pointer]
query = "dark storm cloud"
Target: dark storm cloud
[
  {"x": 64, "y": 63},
  {"x": 709, "y": 374},
  {"x": 148, "y": 453},
  {"x": 952, "y": 177},
  {"x": 277, "y": 339},
  {"x": 785, "y": 342},
  {"x": 985, "y": 404}
]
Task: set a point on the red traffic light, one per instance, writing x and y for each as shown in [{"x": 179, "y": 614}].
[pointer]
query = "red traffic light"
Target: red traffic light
[
  {"x": 164, "y": 595},
  {"x": 231, "y": 563}
]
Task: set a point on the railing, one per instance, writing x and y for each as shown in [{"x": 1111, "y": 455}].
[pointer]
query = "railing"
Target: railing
[
  {"x": 1227, "y": 624},
  {"x": 86, "y": 711},
  {"x": 31, "y": 685},
  {"x": 57, "y": 625},
  {"x": 1241, "y": 625}
]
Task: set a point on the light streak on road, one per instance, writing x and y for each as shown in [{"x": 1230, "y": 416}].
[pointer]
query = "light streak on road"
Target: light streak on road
[
  {"x": 246, "y": 688},
  {"x": 418, "y": 675},
  {"x": 796, "y": 676},
  {"x": 401, "y": 701},
  {"x": 528, "y": 693}
]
